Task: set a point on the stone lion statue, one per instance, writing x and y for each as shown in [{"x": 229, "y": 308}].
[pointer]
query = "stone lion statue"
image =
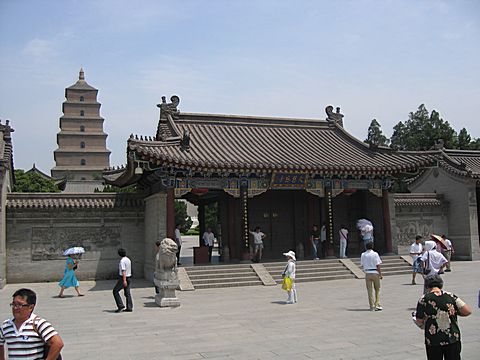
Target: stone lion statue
[{"x": 166, "y": 264}]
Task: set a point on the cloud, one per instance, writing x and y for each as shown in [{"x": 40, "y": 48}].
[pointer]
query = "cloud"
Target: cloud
[{"x": 39, "y": 50}]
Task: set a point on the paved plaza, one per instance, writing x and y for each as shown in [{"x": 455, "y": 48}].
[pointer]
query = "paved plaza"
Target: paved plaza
[{"x": 331, "y": 321}]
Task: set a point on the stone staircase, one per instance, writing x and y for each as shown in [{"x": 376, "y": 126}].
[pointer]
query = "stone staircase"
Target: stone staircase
[
  {"x": 391, "y": 265},
  {"x": 213, "y": 276},
  {"x": 311, "y": 270},
  {"x": 216, "y": 276}
]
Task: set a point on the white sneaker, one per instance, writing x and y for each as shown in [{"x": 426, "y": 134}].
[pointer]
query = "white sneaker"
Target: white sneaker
[{"x": 378, "y": 308}]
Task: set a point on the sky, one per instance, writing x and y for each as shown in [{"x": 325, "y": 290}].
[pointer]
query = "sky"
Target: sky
[{"x": 374, "y": 59}]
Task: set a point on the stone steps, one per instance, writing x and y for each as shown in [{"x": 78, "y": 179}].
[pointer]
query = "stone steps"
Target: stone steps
[
  {"x": 215, "y": 276},
  {"x": 312, "y": 270},
  {"x": 391, "y": 265}
]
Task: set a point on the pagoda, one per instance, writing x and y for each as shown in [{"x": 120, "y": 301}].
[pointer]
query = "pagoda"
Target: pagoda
[{"x": 82, "y": 154}]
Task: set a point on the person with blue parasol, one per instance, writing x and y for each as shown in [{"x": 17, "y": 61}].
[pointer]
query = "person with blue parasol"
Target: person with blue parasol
[{"x": 69, "y": 278}]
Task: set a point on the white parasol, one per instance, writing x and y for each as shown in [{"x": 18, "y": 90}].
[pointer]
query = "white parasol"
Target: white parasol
[{"x": 76, "y": 250}]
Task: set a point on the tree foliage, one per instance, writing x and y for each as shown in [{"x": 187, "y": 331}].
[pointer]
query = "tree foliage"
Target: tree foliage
[
  {"x": 211, "y": 216},
  {"x": 116, "y": 189},
  {"x": 375, "y": 135},
  {"x": 33, "y": 182},
  {"x": 422, "y": 130},
  {"x": 181, "y": 216}
]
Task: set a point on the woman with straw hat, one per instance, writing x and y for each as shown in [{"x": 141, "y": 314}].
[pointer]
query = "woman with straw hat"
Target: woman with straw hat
[{"x": 289, "y": 273}]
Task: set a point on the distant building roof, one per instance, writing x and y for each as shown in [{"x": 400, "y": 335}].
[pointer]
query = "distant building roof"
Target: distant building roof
[
  {"x": 62, "y": 200},
  {"x": 418, "y": 199}
]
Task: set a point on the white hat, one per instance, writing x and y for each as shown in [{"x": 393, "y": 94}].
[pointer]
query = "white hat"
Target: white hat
[{"x": 290, "y": 254}]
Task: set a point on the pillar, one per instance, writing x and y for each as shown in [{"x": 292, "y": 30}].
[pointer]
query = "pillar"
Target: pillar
[
  {"x": 171, "y": 213},
  {"x": 329, "y": 212},
  {"x": 245, "y": 243},
  {"x": 387, "y": 227},
  {"x": 155, "y": 229}
]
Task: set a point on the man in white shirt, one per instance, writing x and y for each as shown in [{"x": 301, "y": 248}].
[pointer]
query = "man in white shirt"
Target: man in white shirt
[
  {"x": 448, "y": 252},
  {"x": 258, "y": 237},
  {"x": 123, "y": 282},
  {"x": 343, "y": 234},
  {"x": 209, "y": 240},
  {"x": 416, "y": 249},
  {"x": 178, "y": 240},
  {"x": 370, "y": 261}
]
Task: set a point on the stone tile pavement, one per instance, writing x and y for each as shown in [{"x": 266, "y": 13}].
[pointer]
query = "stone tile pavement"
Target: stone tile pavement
[{"x": 331, "y": 321}]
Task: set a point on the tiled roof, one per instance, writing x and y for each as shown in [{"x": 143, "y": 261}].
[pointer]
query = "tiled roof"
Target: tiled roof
[
  {"x": 241, "y": 143},
  {"x": 418, "y": 199},
  {"x": 462, "y": 162},
  {"x": 76, "y": 201}
]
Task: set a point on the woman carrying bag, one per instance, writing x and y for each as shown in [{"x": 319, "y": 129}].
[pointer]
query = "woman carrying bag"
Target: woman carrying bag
[{"x": 289, "y": 278}]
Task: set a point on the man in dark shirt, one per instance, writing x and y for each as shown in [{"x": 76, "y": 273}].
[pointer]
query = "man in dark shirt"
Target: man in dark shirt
[{"x": 437, "y": 312}]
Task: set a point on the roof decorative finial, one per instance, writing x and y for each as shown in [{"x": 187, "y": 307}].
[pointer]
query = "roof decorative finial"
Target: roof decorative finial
[{"x": 81, "y": 75}]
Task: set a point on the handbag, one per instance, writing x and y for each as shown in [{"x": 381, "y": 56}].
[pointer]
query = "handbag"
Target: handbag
[
  {"x": 287, "y": 284},
  {"x": 46, "y": 347}
]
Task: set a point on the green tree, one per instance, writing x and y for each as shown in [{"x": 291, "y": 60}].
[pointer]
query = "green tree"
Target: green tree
[
  {"x": 33, "y": 182},
  {"x": 116, "y": 189},
  {"x": 181, "y": 216},
  {"x": 475, "y": 144},
  {"x": 464, "y": 139},
  {"x": 211, "y": 216},
  {"x": 375, "y": 135},
  {"x": 422, "y": 130}
]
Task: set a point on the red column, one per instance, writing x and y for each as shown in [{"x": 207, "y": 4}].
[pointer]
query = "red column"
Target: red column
[
  {"x": 171, "y": 213},
  {"x": 386, "y": 222},
  {"x": 329, "y": 212}
]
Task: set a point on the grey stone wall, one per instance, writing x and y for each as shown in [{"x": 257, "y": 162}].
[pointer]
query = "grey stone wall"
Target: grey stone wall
[
  {"x": 37, "y": 236},
  {"x": 462, "y": 220},
  {"x": 409, "y": 221}
]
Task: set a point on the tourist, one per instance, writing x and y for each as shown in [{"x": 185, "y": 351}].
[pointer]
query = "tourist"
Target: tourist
[
  {"x": 26, "y": 333},
  {"x": 433, "y": 261},
  {"x": 448, "y": 252},
  {"x": 323, "y": 240},
  {"x": 315, "y": 240},
  {"x": 209, "y": 240},
  {"x": 289, "y": 272},
  {"x": 258, "y": 237},
  {"x": 157, "y": 259},
  {"x": 178, "y": 240},
  {"x": 370, "y": 262},
  {"x": 343, "y": 234},
  {"x": 416, "y": 249},
  {"x": 123, "y": 282},
  {"x": 69, "y": 278},
  {"x": 436, "y": 313}
]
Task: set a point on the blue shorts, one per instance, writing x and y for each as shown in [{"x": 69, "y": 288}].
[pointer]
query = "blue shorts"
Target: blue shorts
[{"x": 417, "y": 266}]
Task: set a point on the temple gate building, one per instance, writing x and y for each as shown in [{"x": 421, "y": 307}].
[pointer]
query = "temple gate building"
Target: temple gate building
[{"x": 283, "y": 175}]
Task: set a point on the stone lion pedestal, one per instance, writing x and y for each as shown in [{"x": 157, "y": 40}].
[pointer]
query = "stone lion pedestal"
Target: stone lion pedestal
[{"x": 165, "y": 277}]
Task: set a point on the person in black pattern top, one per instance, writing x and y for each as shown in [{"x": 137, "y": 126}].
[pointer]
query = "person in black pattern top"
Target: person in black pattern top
[{"x": 26, "y": 333}]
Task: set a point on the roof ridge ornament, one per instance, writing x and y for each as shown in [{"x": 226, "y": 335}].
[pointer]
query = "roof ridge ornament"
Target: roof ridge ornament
[
  {"x": 169, "y": 108},
  {"x": 334, "y": 116},
  {"x": 439, "y": 144},
  {"x": 81, "y": 75}
]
